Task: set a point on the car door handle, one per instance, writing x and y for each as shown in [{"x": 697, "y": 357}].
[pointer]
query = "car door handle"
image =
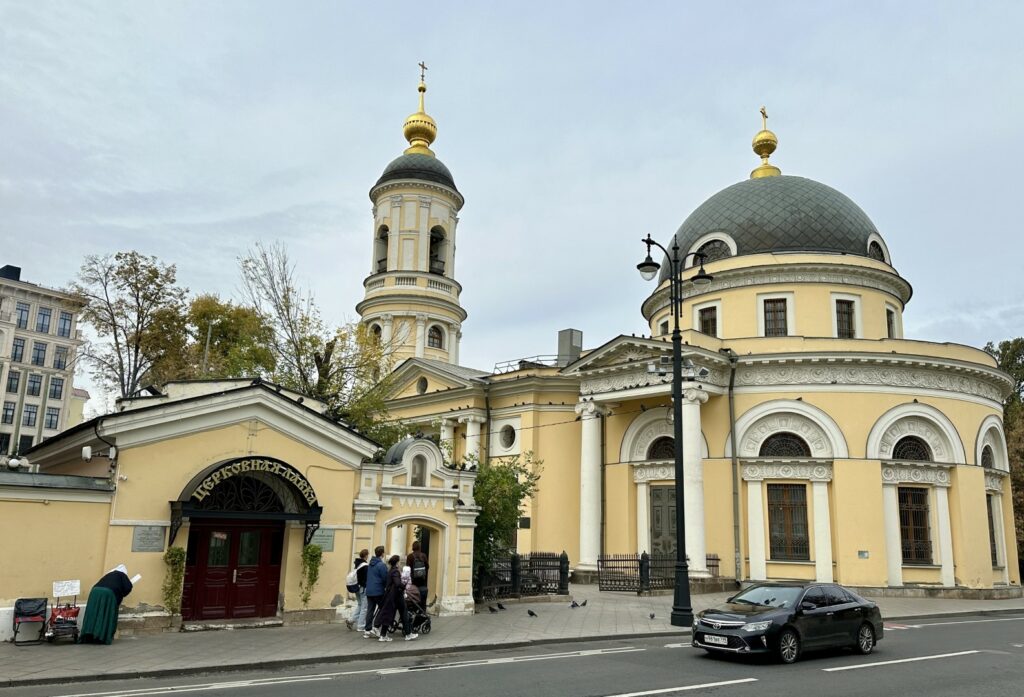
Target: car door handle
[{"x": 830, "y": 613}]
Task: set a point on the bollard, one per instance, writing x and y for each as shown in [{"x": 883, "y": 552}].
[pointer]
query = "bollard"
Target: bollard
[
  {"x": 516, "y": 581},
  {"x": 645, "y": 572},
  {"x": 563, "y": 574}
]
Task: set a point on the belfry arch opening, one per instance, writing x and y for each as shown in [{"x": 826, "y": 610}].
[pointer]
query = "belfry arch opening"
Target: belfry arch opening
[
  {"x": 438, "y": 250},
  {"x": 380, "y": 250}
]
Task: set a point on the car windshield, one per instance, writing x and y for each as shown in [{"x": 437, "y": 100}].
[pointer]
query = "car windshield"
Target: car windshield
[{"x": 769, "y": 596}]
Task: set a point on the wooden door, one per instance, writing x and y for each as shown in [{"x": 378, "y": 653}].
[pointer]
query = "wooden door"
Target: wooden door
[{"x": 663, "y": 520}]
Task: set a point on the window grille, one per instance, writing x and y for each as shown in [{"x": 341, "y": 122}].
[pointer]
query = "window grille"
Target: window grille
[
  {"x": 663, "y": 448},
  {"x": 993, "y": 548},
  {"x": 914, "y": 527},
  {"x": 987, "y": 459},
  {"x": 784, "y": 445},
  {"x": 715, "y": 249},
  {"x": 708, "y": 317},
  {"x": 787, "y": 522},
  {"x": 435, "y": 338},
  {"x": 913, "y": 449},
  {"x": 845, "y": 328},
  {"x": 775, "y": 317}
]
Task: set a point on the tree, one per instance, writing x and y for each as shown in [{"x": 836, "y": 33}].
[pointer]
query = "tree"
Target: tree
[
  {"x": 502, "y": 484},
  {"x": 239, "y": 339},
  {"x": 1010, "y": 355},
  {"x": 129, "y": 300}
]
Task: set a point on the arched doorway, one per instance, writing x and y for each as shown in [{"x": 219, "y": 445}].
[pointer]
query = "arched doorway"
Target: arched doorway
[
  {"x": 237, "y": 512},
  {"x": 432, "y": 538}
]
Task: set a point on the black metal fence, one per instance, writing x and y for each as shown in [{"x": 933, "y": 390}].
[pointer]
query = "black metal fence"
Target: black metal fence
[
  {"x": 519, "y": 575},
  {"x": 643, "y": 572}
]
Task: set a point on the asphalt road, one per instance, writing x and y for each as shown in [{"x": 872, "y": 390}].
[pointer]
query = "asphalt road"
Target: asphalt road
[{"x": 982, "y": 656}]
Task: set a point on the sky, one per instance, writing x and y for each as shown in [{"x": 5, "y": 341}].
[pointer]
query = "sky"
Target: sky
[{"x": 192, "y": 130}]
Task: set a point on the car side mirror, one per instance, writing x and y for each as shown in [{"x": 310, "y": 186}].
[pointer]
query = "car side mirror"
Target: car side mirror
[
  {"x": 730, "y": 598},
  {"x": 807, "y": 605}
]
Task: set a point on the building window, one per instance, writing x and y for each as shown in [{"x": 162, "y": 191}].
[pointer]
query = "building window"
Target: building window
[
  {"x": 987, "y": 458},
  {"x": 784, "y": 445},
  {"x": 664, "y": 327},
  {"x": 43, "y": 320},
  {"x": 21, "y": 313},
  {"x": 913, "y": 449},
  {"x": 64, "y": 324},
  {"x": 421, "y": 385},
  {"x": 775, "y": 323},
  {"x": 663, "y": 448},
  {"x": 13, "y": 378},
  {"x": 24, "y": 443},
  {"x": 56, "y": 388},
  {"x": 34, "y": 385},
  {"x": 713, "y": 250},
  {"x": 914, "y": 534},
  {"x": 18, "y": 350},
  {"x": 875, "y": 251},
  {"x": 60, "y": 357},
  {"x": 38, "y": 353},
  {"x": 992, "y": 546},
  {"x": 708, "y": 320},
  {"x": 5, "y": 443},
  {"x": 508, "y": 437},
  {"x": 435, "y": 337},
  {"x": 8, "y": 415},
  {"x": 438, "y": 250},
  {"x": 418, "y": 476},
  {"x": 28, "y": 415},
  {"x": 787, "y": 522},
  {"x": 845, "y": 328},
  {"x": 376, "y": 332},
  {"x": 890, "y": 323},
  {"x": 52, "y": 417}
]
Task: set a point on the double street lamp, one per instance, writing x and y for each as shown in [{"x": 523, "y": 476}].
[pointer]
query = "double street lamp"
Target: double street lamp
[{"x": 682, "y": 611}]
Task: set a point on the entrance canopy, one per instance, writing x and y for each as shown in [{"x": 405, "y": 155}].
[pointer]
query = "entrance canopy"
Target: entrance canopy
[{"x": 249, "y": 488}]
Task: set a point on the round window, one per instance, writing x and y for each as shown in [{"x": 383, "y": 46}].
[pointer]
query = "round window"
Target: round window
[
  {"x": 421, "y": 385},
  {"x": 508, "y": 437}
]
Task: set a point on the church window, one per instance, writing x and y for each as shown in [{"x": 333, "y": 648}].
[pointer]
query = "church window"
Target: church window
[
  {"x": 664, "y": 327},
  {"x": 845, "y": 327},
  {"x": 663, "y": 448},
  {"x": 508, "y": 437},
  {"x": 435, "y": 337},
  {"x": 376, "y": 332},
  {"x": 875, "y": 251},
  {"x": 421, "y": 385},
  {"x": 418, "y": 476},
  {"x": 913, "y": 449},
  {"x": 987, "y": 458},
  {"x": 787, "y": 522},
  {"x": 890, "y": 323},
  {"x": 784, "y": 445},
  {"x": 714, "y": 250},
  {"x": 914, "y": 533},
  {"x": 993, "y": 548},
  {"x": 775, "y": 321},
  {"x": 709, "y": 320},
  {"x": 437, "y": 250},
  {"x": 380, "y": 250}
]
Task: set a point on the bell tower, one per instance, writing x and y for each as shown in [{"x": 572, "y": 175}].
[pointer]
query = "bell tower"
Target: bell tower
[{"x": 411, "y": 298}]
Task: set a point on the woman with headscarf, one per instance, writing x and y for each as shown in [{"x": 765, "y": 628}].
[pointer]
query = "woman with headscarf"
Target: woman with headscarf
[
  {"x": 100, "y": 622},
  {"x": 394, "y": 602}
]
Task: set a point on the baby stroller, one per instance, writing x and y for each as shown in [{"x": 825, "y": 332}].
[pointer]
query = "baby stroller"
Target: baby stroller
[{"x": 418, "y": 617}]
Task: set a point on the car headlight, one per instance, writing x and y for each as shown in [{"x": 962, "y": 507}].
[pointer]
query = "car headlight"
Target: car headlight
[{"x": 757, "y": 626}]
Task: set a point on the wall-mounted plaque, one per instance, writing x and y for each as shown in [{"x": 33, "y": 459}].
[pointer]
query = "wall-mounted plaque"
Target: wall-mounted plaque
[
  {"x": 324, "y": 538},
  {"x": 148, "y": 538}
]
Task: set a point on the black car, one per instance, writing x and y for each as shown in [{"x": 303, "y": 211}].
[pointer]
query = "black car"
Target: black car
[{"x": 787, "y": 618}]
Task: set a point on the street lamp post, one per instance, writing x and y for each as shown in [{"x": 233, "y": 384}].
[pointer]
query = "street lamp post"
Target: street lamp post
[{"x": 682, "y": 611}]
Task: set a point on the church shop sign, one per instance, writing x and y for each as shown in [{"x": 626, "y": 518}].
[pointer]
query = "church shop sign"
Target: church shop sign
[{"x": 255, "y": 465}]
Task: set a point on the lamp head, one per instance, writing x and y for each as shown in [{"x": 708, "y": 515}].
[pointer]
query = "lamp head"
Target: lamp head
[
  {"x": 702, "y": 278},
  {"x": 648, "y": 268}
]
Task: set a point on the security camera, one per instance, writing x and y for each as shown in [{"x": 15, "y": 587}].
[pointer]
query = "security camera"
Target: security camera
[{"x": 703, "y": 373}]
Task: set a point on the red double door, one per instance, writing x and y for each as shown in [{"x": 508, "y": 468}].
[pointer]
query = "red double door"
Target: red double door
[{"x": 232, "y": 570}]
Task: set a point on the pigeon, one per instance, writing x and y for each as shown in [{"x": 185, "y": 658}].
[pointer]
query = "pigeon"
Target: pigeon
[
  {"x": 500, "y": 606},
  {"x": 531, "y": 613},
  {"x": 652, "y": 615},
  {"x": 574, "y": 605},
  {"x": 491, "y": 609},
  {"x": 583, "y": 604}
]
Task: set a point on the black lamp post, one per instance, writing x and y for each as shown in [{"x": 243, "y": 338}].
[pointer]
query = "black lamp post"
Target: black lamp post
[{"x": 682, "y": 611}]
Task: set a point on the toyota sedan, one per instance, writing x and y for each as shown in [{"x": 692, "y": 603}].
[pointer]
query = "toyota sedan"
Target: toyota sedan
[{"x": 786, "y": 619}]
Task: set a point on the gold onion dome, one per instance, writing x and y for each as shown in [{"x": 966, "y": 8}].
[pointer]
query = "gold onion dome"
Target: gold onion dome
[
  {"x": 764, "y": 145},
  {"x": 420, "y": 130}
]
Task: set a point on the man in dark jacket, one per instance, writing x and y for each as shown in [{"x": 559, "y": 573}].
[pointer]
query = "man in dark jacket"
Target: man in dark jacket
[
  {"x": 418, "y": 568},
  {"x": 376, "y": 582}
]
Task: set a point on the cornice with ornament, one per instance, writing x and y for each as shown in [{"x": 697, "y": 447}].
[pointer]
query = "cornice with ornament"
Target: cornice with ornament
[
  {"x": 378, "y": 191},
  {"x": 811, "y": 471},
  {"x": 916, "y": 473},
  {"x": 994, "y": 480}
]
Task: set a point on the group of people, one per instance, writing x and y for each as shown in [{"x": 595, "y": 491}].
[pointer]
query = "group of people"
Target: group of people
[{"x": 385, "y": 591}]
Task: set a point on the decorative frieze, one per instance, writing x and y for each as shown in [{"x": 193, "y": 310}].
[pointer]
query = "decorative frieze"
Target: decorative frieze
[
  {"x": 806, "y": 471},
  {"x": 908, "y": 473},
  {"x": 994, "y": 481},
  {"x": 788, "y": 422},
  {"x": 654, "y": 472},
  {"x": 914, "y": 426}
]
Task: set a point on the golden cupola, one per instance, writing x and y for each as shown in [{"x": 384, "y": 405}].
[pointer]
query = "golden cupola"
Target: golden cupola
[
  {"x": 764, "y": 145},
  {"x": 420, "y": 130}
]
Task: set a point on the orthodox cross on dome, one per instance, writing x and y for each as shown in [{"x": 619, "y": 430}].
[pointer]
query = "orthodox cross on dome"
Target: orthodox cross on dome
[
  {"x": 764, "y": 145},
  {"x": 423, "y": 73},
  {"x": 764, "y": 117}
]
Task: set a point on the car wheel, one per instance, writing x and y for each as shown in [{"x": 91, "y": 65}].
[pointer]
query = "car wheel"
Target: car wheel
[
  {"x": 865, "y": 639},
  {"x": 789, "y": 646}
]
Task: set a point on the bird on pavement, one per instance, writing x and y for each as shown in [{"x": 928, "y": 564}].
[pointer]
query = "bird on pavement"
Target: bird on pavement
[
  {"x": 531, "y": 613},
  {"x": 491, "y": 609},
  {"x": 652, "y": 615},
  {"x": 583, "y": 604},
  {"x": 574, "y": 605},
  {"x": 500, "y": 606}
]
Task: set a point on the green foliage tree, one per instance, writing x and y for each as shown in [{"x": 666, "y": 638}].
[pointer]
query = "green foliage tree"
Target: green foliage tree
[
  {"x": 502, "y": 484},
  {"x": 1010, "y": 355}
]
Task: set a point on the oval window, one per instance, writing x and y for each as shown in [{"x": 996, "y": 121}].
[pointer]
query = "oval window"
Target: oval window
[
  {"x": 508, "y": 437},
  {"x": 421, "y": 385}
]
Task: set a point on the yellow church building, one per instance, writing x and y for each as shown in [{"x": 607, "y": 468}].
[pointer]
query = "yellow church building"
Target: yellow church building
[{"x": 819, "y": 442}]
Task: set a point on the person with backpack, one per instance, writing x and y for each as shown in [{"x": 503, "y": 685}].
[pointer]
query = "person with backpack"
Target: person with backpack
[
  {"x": 355, "y": 583},
  {"x": 376, "y": 583},
  {"x": 417, "y": 561}
]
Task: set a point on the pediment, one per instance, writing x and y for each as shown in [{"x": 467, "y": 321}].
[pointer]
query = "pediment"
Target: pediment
[
  {"x": 622, "y": 352},
  {"x": 406, "y": 378}
]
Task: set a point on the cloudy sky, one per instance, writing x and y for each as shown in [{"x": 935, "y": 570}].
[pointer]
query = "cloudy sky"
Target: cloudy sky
[{"x": 191, "y": 130}]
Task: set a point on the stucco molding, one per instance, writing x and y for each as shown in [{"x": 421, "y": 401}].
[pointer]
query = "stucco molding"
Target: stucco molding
[
  {"x": 646, "y": 428},
  {"x": 639, "y": 376},
  {"x": 912, "y": 473},
  {"x": 756, "y": 471},
  {"x": 654, "y": 472},
  {"x": 921, "y": 420},
  {"x": 590, "y": 409},
  {"x": 819, "y": 430},
  {"x": 994, "y": 481},
  {"x": 991, "y": 433}
]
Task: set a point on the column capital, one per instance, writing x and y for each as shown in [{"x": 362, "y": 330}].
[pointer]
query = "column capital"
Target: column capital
[
  {"x": 471, "y": 419},
  {"x": 421, "y": 318},
  {"x": 590, "y": 410},
  {"x": 694, "y": 395}
]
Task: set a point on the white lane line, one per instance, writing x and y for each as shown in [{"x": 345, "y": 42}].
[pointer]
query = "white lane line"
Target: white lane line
[
  {"x": 683, "y": 645},
  {"x": 284, "y": 680},
  {"x": 901, "y": 660},
  {"x": 943, "y": 624},
  {"x": 684, "y": 688}
]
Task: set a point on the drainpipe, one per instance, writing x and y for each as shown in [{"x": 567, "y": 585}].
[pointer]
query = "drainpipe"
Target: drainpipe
[{"x": 733, "y": 358}]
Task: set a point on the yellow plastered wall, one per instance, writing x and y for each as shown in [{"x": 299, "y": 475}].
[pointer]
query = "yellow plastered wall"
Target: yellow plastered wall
[
  {"x": 1012, "y": 562},
  {"x": 554, "y": 437},
  {"x": 968, "y": 517},
  {"x": 857, "y": 522}
]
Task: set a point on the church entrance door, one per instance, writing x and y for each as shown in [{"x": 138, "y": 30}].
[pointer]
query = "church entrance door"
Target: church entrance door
[{"x": 663, "y": 520}]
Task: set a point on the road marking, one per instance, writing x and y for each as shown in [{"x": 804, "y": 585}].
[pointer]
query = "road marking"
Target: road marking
[
  {"x": 943, "y": 624},
  {"x": 284, "y": 680},
  {"x": 684, "y": 688},
  {"x": 901, "y": 660},
  {"x": 683, "y": 645}
]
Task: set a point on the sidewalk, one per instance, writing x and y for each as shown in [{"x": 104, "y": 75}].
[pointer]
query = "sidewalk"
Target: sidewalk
[{"x": 606, "y": 616}]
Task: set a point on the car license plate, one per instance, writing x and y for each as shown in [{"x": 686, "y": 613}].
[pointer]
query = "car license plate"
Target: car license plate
[{"x": 714, "y": 639}]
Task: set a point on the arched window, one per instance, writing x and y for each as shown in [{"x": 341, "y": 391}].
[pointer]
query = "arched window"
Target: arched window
[
  {"x": 663, "y": 448},
  {"x": 438, "y": 250},
  {"x": 715, "y": 249},
  {"x": 875, "y": 251},
  {"x": 375, "y": 332},
  {"x": 435, "y": 337},
  {"x": 987, "y": 458},
  {"x": 913, "y": 449},
  {"x": 380, "y": 250},
  {"x": 418, "y": 475},
  {"x": 784, "y": 445}
]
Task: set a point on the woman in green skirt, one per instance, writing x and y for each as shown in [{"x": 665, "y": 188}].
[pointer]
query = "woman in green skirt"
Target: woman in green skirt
[{"x": 105, "y": 598}]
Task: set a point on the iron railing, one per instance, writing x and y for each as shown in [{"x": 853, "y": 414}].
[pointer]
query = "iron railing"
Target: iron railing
[
  {"x": 519, "y": 575},
  {"x": 642, "y": 572}
]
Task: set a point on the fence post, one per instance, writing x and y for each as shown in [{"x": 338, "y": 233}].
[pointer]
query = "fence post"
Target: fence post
[
  {"x": 516, "y": 580},
  {"x": 645, "y": 572},
  {"x": 563, "y": 574}
]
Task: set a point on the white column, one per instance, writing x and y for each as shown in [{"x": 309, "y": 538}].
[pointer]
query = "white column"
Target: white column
[
  {"x": 421, "y": 335},
  {"x": 1000, "y": 533},
  {"x": 472, "y": 435},
  {"x": 385, "y": 332},
  {"x": 643, "y": 517},
  {"x": 693, "y": 481},
  {"x": 448, "y": 437},
  {"x": 945, "y": 536},
  {"x": 822, "y": 533},
  {"x": 590, "y": 484},
  {"x": 398, "y": 538},
  {"x": 454, "y": 337},
  {"x": 893, "y": 541},
  {"x": 755, "y": 532}
]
